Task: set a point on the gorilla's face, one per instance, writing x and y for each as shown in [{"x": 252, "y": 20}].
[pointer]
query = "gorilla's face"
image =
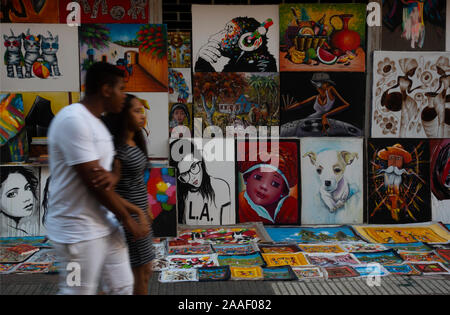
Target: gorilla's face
[{"x": 228, "y": 37}]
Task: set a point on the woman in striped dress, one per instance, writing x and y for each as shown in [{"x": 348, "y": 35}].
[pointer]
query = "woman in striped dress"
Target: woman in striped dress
[{"x": 130, "y": 163}]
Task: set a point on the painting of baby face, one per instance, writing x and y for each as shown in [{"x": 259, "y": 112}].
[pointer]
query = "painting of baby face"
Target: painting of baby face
[
  {"x": 265, "y": 186},
  {"x": 179, "y": 116}
]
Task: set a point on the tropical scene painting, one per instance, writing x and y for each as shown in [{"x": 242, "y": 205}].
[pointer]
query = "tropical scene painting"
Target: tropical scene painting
[
  {"x": 326, "y": 234},
  {"x": 140, "y": 50},
  {"x": 322, "y": 37}
]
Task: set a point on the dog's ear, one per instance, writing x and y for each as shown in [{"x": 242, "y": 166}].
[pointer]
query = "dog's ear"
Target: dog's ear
[
  {"x": 312, "y": 156},
  {"x": 348, "y": 157}
]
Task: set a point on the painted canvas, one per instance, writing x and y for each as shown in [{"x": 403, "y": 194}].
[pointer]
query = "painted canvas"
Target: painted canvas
[
  {"x": 192, "y": 261},
  {"x": 190, "y": 250},
  {"x": 39, "y": 57},
  {"x": 317, "y": 248},
  {"x": 246, "y": 273},
  {"x": 10, "y": 257},
  {"x": 36, "y": 241},
  {"x": 111, "y": 11},
  {"x": 236, "y": 249},
  {"x": 406, "y": 233},
  {"x": 323, "y": 37},
  {"x": 327, "y": 104},
  {"x": 162, "y": 198},
  {"x": 205, "y": 184},
  {"x": 13, "y": 141},
  {"x": 362, "y": 247},
  {"x": 413, "y": 25},
  {"x": 24, "y": 11},
  {"x": 291, "y": 259},
  {"x": 179, "y": 49},
  {"x": 140, "y": 50},
  {"x": 20, "y": 211},
  {"x": 322, "y": 260},
  {"x": 403, "y": 270},
  {"x": 399, "y": 185},
  {"x": 33, "y": 267},
  {"x": 318, "y": 234},
  {"x": 221, "y": 273},
  {"x": 278, "y": 248},
  {"x": 180, "y": 85},
  {"x": 237, "y": 100},
  {"x": 341, "y": 272},
  {"x": 232, "y": 38},
  {"x": 281, "y": 273},
  {"x": 422, "y": 257},
  {"x": 267, "y": 179},
  {"x": 409, "y": 93},
  {"x": 305, "y": 273},
  {"x": 440, "y": 179},
  {"x": 444, "y": 253},
  {"x": 180, "y": 115},
  {"x": 334, "y": 191},
  {"x": 371, "y": 270},
  {"x": 178, "y": 275},
  {"x": 412, "y": 247},
  {"x": 253, "y": 259},
  {"x": 431, "y": 268},
  {"x": 387, "y": 257}
]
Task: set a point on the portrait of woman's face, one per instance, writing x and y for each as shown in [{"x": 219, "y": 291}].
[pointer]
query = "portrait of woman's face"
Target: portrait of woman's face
[
  {"x": 16, "y": 194},
  {"x": 265, "y": 186},
  {"x": 194, "y": 176}
]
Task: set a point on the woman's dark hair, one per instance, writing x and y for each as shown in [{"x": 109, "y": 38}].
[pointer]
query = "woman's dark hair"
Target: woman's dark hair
[
  {"x": 26, "y": 172},
  {"x": 117, "y": 124},
  {"x": 99, "y": 74}
]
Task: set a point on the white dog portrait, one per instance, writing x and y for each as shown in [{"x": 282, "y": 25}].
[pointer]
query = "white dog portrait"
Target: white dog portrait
[{"x": 332, "y": 180}]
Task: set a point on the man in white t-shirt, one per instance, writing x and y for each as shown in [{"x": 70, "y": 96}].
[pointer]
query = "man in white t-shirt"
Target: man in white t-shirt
[{"x": 83, "y": 216}]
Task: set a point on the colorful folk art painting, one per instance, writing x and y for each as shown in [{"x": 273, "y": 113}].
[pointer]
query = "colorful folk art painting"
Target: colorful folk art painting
[
  {"x": 107, "y": 11},
  {"x": 39, "y": 57},
  {"x": 253, "y": 259},
  {"x": 6, "y": 268},
  {"x": 327, "y": 104},
  {"x": 237, "y": 99},
  {"x": 334, "y": 193},
  {"x": 12, "y": 118},
  {"x": 281, "y": 273},
  {"x": 178, "y": 275},
  {"x": 180, "y": 115},
  {"x": 340, "y": 272},
  {"x": 159, "y": 250},
  {"x": 278, "y": 248},
  {"x": 33, "y": 267},
  {"x": 180, "y": 85},
  {"x": 159, "y": 264},
  {"x": 179, "y": 49},
  {"x": 221, "y": 273},
  {"x": 320, "y": 259},
  {"x": 7, "y": 256},
  {"x": 47, "y": 255},
  {"x": 362, "y": 247},
  {"x": 36, "y": 241},
  {"x": 371, "y": 270},
  {"x": 162, "y": 196},
  {"x": 291, "y": 259},
  {"x": 140, "y": 50},
  {"x": 439, "y": 179},
  {"x": 246, "y": 273},
  {"x": 235, "y": 38},
  {"x": 322, "y": 37},
  {"x": 388, "y": 257},
  {"x": 414, "y": 257},
  {"x": 190, "y": 250},
  {"x": 399, "y": 186},
  {"x": 192, "y": 261},
  {"x": 409, "y": 93},
  {"x": 431, "y": 268},
  {"x": 237, "y": 249},
  {"x": 444, "y": 253},
  {"x": 313, "y": 248},
  {"x": 320, "y": 234},
  {"x": 304, "y": 273},
  {"x": 403, "y": 269},
  {"x": 267, "y": 177},
  {"x": 413, "y": 25},
  {"x": 412, "y": 247},
  {"x": 23, "y": 11}
]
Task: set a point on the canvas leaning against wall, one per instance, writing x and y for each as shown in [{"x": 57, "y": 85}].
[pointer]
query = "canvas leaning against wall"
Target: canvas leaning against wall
[
  {"x": 140, "y": 50},
  {"x": 179, "y": 49},
  {"x": 399, "y": 185},
  {"x": 25, "y": 11},
  {"x": 332, "y": 180},
  {"x": 409, "y": 94},
  {"x": 232, "y": 38},
  {"x": 440, "y": 179},
  {"x": 39, "y": 57}
]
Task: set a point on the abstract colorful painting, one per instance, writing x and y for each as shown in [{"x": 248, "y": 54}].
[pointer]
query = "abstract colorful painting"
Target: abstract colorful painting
[
  {"x": 305, "y": 273},
  {"x": 29, "y": 11},
  {"x": 179, "y": 49},
  {"x": 205, "y": 182},
  {"x": 236, "y": 249},
  {"x": 253, "y": 259},
  {"x": 334, "y": 192},
  {"x": 190, "y": 250},
  {"x": 33, "y": 267},
  {"x": 444, "y": 253},
  {"x": 39, "y": 57},
  {"x": 327, "y": 104},
  {"x": 246, "y": 273},
  {"x": 162, "y": 197},
  {"x": 406, "y": 233},
  {"x": 36, "y": 241},
  {"x": 237, "y": 100},
  {"x": 267, "y": 178},
  {"x": 399, "y": 186},
  {"x": 388, "y": 257},
  {"x": 403, "y": 270},
  {"x": 322, "y": 260},
  {"x": 413, "y": 25},
  {"x": 371, "y": 270},
  {"x": 291, "y": 259},
  {"x": 221, "y": 273},
  {"x": 9, "y": 257},
  {"x": 315, "y": 248},
  {"x": 319, "y": 234},
  {"x": 440, "y": 180},
  {"x": 409, "y": 93},
  {"x": 278, "y": 248},
  {"x": 178, "y": 275},
  {"x": 412, "y": 247},
  {"x": 140, "y": 50},
  {"x": 235, "y": 38},
  {"x": 111, "y": 11},
  {"x": 422, "y": 257},
  {"x": 323, "y": 37},
  {"x": 431, "y": 269},
  {"x": 192, "y": 261},
  {"x": 362, "y": 247},
  {"x": 340, "y": 272},
  {"x": 281, "y": 273},
  {"x": 6, "y": 268}
]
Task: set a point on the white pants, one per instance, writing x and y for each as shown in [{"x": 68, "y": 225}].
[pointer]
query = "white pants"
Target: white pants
[{"x": 104, "y": 260}]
